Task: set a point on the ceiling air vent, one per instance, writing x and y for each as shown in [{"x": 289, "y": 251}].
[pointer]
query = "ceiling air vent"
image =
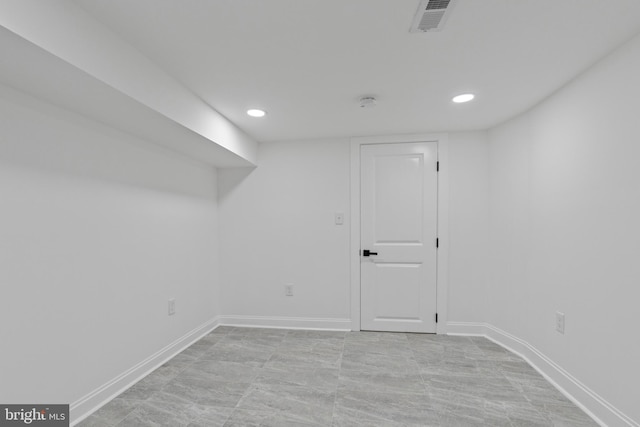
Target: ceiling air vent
[{"x": 431, "y": 15}]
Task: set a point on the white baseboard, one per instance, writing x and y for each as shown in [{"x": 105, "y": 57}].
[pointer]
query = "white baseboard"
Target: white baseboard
[
  {"x": 588, "y": 400},
  {"x": 286, "y": 322},
  {"x": 93, "y": 401},
  {"x": 466, "y": 329}
]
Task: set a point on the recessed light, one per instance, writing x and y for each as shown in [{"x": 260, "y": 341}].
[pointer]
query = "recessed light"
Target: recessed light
[
  {"x": 465, "y": 97},
  {"x": 254, "y": 112}
]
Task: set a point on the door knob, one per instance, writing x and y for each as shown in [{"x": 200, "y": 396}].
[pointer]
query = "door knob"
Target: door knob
[{"x": 367, "y": 252}]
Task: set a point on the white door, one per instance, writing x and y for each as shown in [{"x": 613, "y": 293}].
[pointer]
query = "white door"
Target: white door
[{"x": 398, "y": 208}]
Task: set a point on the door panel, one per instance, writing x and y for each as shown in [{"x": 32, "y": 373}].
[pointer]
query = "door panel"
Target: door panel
[
  {"x": 390, "y": 224},
  {"x": 399, "y": 223}
]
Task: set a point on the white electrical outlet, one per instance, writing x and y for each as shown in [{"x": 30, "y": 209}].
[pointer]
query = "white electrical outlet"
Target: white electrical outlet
[
  {"x": 560, "y": 322},
  {"x": 339, "y": 218},
  {"x": 288, "y": 290},
  {"x": 172, "y": 306}
]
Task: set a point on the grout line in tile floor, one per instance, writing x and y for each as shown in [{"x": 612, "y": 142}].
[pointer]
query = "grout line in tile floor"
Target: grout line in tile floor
[{"x": 276, "y": 377}]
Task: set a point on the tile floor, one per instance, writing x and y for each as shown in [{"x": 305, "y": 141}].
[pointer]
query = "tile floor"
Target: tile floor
[{"x": 272, "y": 377}]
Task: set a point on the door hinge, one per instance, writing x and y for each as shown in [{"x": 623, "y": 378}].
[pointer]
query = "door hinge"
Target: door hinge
[
  {"x": 437, "y": 243},
  {"x": 438, "y": 166},
  {"x": 436, "y": 317}
]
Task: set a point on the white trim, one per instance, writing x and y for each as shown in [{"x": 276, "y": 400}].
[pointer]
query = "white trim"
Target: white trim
[
  {"x": 603, "y": 412},
  {"x": 443, "y": 235},
  {"x": 391, "y": 139},
  {"x": 325, "y": 324},
  {"x": 466, "y": 329},
  {"x": 354, "y": 243},
  {"x": 443, "y": 221},
  {"x": 85, "y": 406}
]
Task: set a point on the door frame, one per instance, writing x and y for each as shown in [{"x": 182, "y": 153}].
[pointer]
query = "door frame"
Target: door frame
[{"x": 442, "y": 276}]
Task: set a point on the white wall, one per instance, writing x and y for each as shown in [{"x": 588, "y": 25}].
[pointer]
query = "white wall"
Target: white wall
[
  {"x": 277, "y": 227},
  {"x": 564, "y": 209},
  {"x": 97, "y": 231},
  {"x": 468, "y": 225}
]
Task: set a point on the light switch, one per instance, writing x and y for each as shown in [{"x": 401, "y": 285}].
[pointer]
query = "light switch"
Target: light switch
[{"x": 339, "y": 216}]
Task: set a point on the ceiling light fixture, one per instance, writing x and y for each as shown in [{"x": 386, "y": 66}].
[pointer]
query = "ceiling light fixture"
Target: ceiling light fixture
[
  {"x": 465, "y": 97},
  {"x": 254, "y": 112}
]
